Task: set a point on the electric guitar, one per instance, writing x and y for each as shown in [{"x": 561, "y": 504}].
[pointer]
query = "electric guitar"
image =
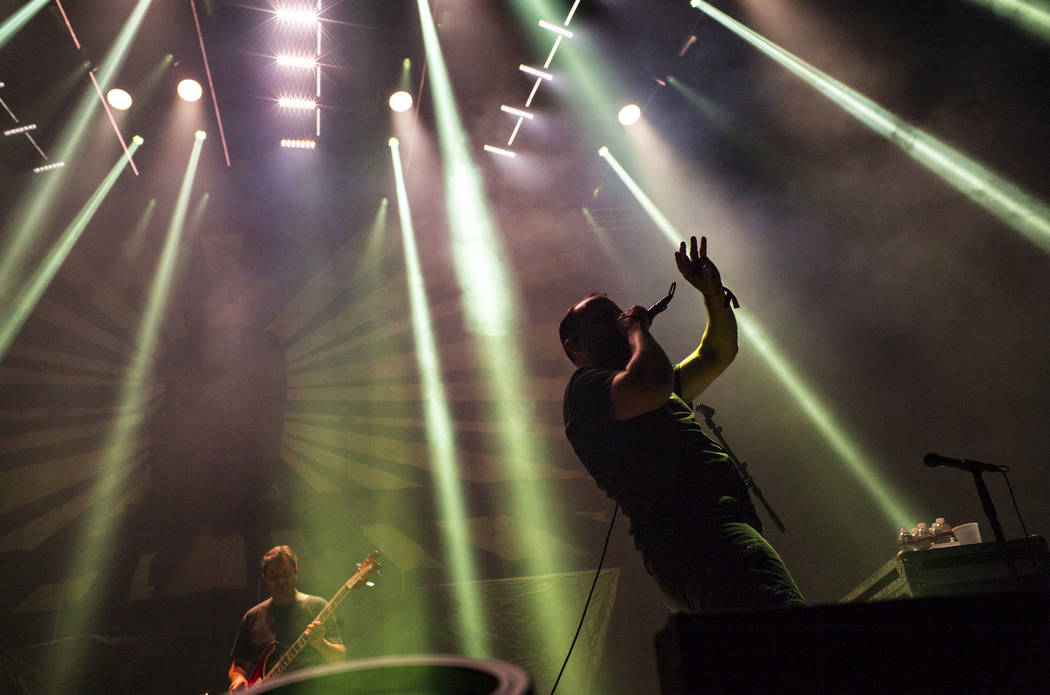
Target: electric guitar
[{"x": 264, "y": 671}]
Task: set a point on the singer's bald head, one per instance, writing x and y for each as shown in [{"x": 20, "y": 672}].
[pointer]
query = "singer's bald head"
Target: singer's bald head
[{"x": 588, "y": 333}]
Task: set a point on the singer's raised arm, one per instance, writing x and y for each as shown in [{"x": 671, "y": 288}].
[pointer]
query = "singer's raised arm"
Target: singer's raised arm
[{"x": 718, "y": 346}]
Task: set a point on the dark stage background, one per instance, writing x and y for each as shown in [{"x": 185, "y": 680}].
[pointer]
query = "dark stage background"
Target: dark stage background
[{"x": 284, "y": 398}]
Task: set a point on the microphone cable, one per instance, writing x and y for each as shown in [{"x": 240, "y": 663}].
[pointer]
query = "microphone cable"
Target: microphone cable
[{"x": 587, "y": 603}]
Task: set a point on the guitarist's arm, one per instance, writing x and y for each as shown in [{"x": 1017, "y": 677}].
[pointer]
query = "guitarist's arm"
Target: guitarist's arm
[{"x": 330, "y": 651}]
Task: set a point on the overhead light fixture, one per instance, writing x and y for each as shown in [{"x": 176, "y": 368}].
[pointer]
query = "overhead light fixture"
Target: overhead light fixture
[
  {"x": 20, "y": 129},
  {"x": 293, "y": 103},
  {"x": 500, "y": 151},
  {"x": 190, "y": 90},
  {"x": 119, "y": 99},
  {"x": 48, "y": 167},
  {"x": 517, "y": 112},
  {"x": 562, "y": 31},
  {"x": 299, "y": 144},
  {"x": 536, "y": 73},
  {"x": 400, "y": 101},
  {"x": 300, "y": 15},
  {"x": 290, "y": 61},
  {"x": 629, "y": 114}
]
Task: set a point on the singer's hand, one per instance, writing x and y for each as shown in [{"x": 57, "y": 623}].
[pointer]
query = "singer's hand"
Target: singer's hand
[
  {"x": 634, "y": 318},
  {"x": 697, "y": 268}
]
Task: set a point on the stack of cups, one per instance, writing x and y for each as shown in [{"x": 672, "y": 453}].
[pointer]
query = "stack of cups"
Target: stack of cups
[{"x": 967, "y": 533}]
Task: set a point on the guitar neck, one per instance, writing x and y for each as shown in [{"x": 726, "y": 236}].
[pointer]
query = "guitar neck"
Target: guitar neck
[{"x": 326, "y": 612}]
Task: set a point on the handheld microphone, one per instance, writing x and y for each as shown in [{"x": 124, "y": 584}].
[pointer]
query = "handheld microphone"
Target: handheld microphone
[
  {"x": 932, "y": 460},
  {"x": 705, "y": 409},
  {"x": 662, "y": 304}
]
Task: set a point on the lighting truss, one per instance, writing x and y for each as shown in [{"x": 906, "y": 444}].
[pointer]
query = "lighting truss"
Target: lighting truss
[
  {"x": 561, "y": 32},
  {"x": 302, "y": 14},
  {"x": 113, "y": 122},
  {"x": 211, "y": 85}
]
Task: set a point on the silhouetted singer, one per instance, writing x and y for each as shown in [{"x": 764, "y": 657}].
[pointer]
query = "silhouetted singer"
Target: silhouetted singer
[{"x": 627, "y": 416}]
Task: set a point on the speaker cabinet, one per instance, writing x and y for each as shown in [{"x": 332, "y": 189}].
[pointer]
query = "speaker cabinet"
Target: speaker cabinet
[{"x": 980, "y": 643}]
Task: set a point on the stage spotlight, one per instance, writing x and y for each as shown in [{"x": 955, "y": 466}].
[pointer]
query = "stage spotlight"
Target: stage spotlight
[
  {"x": 400, "y": 101},
  {"x": 299, "y": 144},
  {"x": 290, "y": 61},
  {"x": 190, "y": 90},
  {"x": 137, "y": 139},
  {"x": 21, "y": 129},
  {"x": 561, "y": 31},
  {"x": 290, "y": 103},
  {"x": 300, "y": 15},
  {"x": 200, "y": 135},
  {"x": 119, "y": 99},
  {"x": 49, "y": 167},
  {"x": 510, "y": 154},
  {"x": 529, "y": 70},
  {"x": 516, "y": 112},
  {"x": 629, "y": 114},
  {"x": 394, "y": 142}
]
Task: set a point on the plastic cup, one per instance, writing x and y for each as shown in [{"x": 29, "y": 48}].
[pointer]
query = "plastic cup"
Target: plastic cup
[{"x": 967, "y": 533}]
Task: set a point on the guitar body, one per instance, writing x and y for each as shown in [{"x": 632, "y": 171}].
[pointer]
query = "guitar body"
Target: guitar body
[{"x": 262, "y": 665}]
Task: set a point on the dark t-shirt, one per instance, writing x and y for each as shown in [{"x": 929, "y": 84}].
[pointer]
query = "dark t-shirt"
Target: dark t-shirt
[
  {"x": 269, "y": 622},
  {"x": 666, "y": 474}
]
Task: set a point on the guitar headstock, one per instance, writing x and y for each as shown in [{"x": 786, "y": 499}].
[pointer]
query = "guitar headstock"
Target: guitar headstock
[{"x": 369, "y": 564}]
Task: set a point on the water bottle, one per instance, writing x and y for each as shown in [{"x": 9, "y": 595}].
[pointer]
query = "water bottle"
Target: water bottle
[
  {"x": 905, "y": 541},
  {"x": 942, "y": 532},
  {"x": 923, "y": 537}
]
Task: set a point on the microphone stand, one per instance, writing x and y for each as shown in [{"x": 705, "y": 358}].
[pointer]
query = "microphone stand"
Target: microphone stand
[
  {"x": 740, "y": 466},
  {"x": 993, "y": 519}
]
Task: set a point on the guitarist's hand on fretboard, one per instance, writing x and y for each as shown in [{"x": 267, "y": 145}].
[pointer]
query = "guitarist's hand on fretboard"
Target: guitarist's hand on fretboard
[{"x": 315, "y": 633}]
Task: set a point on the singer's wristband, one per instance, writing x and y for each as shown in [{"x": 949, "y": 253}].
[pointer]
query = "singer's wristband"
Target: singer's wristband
[{"x": 728, "y": 295}]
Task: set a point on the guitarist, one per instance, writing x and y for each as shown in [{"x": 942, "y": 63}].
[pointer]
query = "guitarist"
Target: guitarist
[{"x": 281, "y": 619}]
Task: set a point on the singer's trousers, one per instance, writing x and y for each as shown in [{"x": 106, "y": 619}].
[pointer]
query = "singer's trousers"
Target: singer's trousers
[{"x": 735, "y": 570}]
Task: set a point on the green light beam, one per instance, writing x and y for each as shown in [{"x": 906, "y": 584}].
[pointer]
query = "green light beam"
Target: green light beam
[
  {"x": 98, "y": 536},
  {"x": 658, "y": 218},
  {"x": 133, "y": 244},
  {"x": 440, "y": 433},
  {"x": 863, "y": 469},
  {"x": 13, "y": 24},
  {"x": 1016, "y": 208},
  {"x": 858, "y": 463},
  {"x": 372, "y": 255},
  {"x": 1031, "y": 15},
  {"x": 606, "y": 244},
  {"x": 405, "y": 82},
  {"x": 491, "y": 310},
  {"x": 27, "y": 299},
  {"x": 37, "y": 205}
]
